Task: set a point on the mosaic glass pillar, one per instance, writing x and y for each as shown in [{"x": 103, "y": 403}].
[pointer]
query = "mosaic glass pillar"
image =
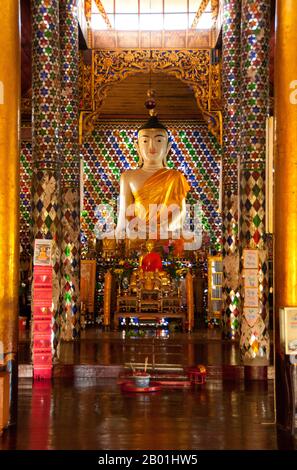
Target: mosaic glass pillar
[
  {"x": 45, "y": 136},
  {"x": 25, "y": 197},
  {"x": 70, "y": 174},
  {"x": 230, "y": 165},
  {"x": 255, "y": 27}
]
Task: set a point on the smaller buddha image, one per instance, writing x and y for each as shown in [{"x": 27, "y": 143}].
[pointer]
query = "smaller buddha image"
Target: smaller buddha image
[
  {"x": 151, "y": 261},
  {"x": 42, "y": 252}
]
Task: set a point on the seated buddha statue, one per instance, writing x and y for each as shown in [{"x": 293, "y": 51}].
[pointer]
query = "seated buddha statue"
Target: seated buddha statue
[
  {"x": 152, "y": 197},
  {"x": 150, "y": 261}
]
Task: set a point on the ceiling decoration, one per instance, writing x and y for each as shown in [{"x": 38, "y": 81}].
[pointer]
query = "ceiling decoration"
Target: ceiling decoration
[{"x": 192, "y": 67}]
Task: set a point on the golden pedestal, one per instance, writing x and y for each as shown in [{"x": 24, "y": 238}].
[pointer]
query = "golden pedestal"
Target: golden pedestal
[{"x": 150, "y": 295}]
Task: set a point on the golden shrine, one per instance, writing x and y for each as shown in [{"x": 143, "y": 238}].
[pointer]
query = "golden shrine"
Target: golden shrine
[
  {"x": 152, "y": 208},
  {"x": 149, "y": 295}
]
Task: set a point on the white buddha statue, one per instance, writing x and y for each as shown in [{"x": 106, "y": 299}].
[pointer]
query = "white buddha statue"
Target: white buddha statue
[{"x": 152, "y": 197}]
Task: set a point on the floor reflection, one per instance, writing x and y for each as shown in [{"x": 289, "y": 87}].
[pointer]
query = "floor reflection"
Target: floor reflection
[
  {"x": 117, "y": 348},
  {"x": 97, "y": 347},
  {"x": 94, "y": 414}
]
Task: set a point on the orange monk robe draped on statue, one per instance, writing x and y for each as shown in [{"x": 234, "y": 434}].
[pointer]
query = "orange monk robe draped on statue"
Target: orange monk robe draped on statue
[{"x": 165, "y": 187}]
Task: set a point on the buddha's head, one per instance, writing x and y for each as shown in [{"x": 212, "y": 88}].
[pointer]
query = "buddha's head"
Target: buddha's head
[{"x": 153, "y": 144}]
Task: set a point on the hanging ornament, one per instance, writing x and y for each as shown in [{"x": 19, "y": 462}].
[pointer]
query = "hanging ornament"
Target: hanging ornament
[{"x": 150, "y": 102}]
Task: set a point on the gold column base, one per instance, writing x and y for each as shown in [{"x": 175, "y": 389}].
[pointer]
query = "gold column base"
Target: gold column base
[{"x": 9, "y": 196}]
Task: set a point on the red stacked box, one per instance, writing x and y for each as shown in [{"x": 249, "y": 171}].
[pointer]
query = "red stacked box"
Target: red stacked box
[
  {"x": 42, "y": 322},
  {"x": 43, "y": 286},
  {"x": 40, "y": 342}
]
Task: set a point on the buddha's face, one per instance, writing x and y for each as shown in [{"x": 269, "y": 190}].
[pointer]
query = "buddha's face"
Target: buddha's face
[{"x": 153, "y": 145}]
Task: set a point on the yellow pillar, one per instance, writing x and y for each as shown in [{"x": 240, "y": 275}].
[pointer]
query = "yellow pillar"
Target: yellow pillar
[
  {"x": 190, "y": 300},
  {"x": 9, "y": 192},
  {"x": 285, "y": 199}
]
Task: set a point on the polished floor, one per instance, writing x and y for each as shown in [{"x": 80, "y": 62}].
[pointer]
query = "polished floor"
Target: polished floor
[
  {"x": 203, "y": 347},
  {"x": 85, "y": 411},
  {"x": 104, "y": 354},
  {"x": 115, "y": 348},
  {"x": 94, "y": 414}
]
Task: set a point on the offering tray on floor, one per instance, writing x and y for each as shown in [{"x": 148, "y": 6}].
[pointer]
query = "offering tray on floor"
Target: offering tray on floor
[{"x": 129, "y": 386}]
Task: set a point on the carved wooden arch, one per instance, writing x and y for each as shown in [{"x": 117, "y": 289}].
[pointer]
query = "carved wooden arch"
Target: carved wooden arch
[{"x": 190, "y": 66}]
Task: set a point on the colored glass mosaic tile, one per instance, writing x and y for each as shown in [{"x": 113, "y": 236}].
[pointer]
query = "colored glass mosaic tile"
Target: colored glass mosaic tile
[
  {"x": 109, "y": 151},
  {"x": 230, "y": 165},
  {"x": 255, "y": 27},
  {"x": 45, "y": 81},
  {"x": 70, "y": 171},
  {"x": 25, "y": 197},
  {"x": 45, "y": 136},
  {"x": 255, "y": 34}
]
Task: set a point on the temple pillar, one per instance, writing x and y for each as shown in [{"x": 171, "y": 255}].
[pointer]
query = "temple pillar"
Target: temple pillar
[
  {"x": 230, "y": 164},
  {"x": 9, "y": 204},
  {"x": 285, "y": 208},
  {"x": 70, "y": 172},
  {"x": 190, "y": 301},
  {"x": 45, "y": 136},
  {"x": 107, "y": 299},
  {"x": 255, "y": 27}
]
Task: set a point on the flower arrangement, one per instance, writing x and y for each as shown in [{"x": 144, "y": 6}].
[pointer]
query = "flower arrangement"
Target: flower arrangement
[
  {"x": 175, "y": 269},
  {"x": 125, "y": 267}
]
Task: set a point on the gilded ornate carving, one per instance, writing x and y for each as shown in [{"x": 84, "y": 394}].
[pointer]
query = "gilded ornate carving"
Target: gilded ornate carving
[
  {"x": 214, "y": 117},
  {"x": 190, "y": 66},
  {"x": 88, "y": 10},
  {"x": 103, "y": 13},
  {"x": 199, "y": 12},
  {"x": 214, "y": 8},
  {"x": 214, "y": 123},
  {"x": 216, "y": 83}
]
